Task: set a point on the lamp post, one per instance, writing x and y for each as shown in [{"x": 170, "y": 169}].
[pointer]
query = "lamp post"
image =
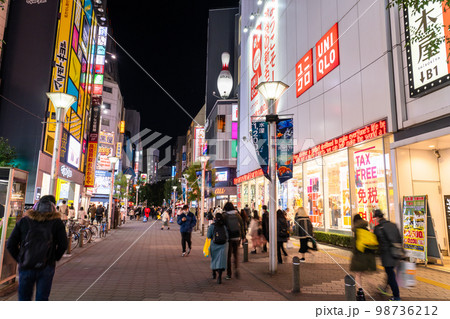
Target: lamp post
[
  {"x": 137, "y": 195},
  {"x": 203, "y": 160},
  {"x": 61, "y": 102},
  {"x": 272, "y": 91},
  {"x": 128, "y": 177},
  {"x": 174, "y": 199},
  {"x": 112, "y": 160},
  {"x": 186, "y": 185}
]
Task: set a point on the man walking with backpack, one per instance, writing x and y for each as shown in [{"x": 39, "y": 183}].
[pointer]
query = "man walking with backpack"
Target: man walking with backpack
[
  {"x": 37, "y": 241},
  {"x": 187, "y": 221},
  {"x": 390, "y": 241},
  {"x": 235, "y": 228}
]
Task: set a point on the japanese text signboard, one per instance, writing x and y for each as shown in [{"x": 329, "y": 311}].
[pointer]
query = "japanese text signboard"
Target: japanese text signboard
[
  {"x": 285, "y": 149},
  {"x": 263, "y": 59},
  {"x": 414, "y": 226},
  {"x": 260, "y": 138},
  {"x": 428, "y": 67},
  {"x": 327, "y": 52},
  {"x": 304, "y": 73}
]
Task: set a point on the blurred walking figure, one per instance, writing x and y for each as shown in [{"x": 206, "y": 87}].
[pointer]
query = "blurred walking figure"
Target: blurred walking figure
[
  {"x": 218, "y": 234},
  {"x": 388, "y": 237},
  {"x": 37, "y": 241},
  {"x": 255, "y": 232},
  {"x": 265, "y": 227},
  {"x": 92, "y": 210},
  {"x": 304, "y": 230},
  {"x": 99, "y": 214},
  {"x": 187, "y": 221},
  {"x": 210, "y": 216},
  {"x": 282, "y": 234},
  {"x": 165, "y": 220},
  {"x": 362, "y": 261},
  {"x": 235, "y": 228}
]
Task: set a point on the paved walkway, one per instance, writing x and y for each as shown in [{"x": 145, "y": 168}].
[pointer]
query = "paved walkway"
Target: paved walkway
[{"x": 138, "y": 261}]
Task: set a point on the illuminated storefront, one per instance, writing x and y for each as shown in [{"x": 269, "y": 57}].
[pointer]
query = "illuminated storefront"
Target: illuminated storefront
[{"x": 335, "y": 180}]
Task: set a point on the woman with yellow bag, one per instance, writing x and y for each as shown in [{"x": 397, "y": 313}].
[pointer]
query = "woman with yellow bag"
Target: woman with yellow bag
[
  {"x": 218, "y": 236},
  {"x": 363, "y": 258}
]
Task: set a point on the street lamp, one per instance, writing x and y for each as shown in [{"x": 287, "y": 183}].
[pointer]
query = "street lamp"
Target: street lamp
[
  {"x": 203, "y": 160},
  {"x": 174, "y": 199},
  {"x": 187, "y": 186},
  {"x": 112, "y": 160},
  {"x": 271, "y": 92},
  {"x": 128, "y": 177},
  {"x": 61, "y": 102}
]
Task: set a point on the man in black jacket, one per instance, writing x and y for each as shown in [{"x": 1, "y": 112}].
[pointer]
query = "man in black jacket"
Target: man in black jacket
[
  {"x": 46, "y": 222},
  {"x": 265, "y": 226},
  {"x": 236, "y": 233},
  {"x": 388, "y": 235}
]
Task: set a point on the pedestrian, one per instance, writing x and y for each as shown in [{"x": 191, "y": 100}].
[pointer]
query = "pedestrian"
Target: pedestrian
[
  {"x": 137, "y": 213},
  {"x": 92, "y": 211},
  {"x": 282, "y": 234},
  {"x": 187, "y": 221},
  {"x": 147, "y": 212},
  {"x": 99, "y": 214},
  {"x": 64, "y": 210},
  {"x": 218, "y": 234},
  {"x": 165, "y": 220},
  {"x": 82, "y": 215},
  {"x": 37, "y": 241},
  {"x": 235, "y": 229},
  {"x": 255, "y": 232},
  {"x": 304, "y": 230},
  {"x": 388, "y": 237},
  {"x": 210, "y": 216},
  {"x": 71, "y": 211},
  {"x": 265, "y": 227},
  {"x": 362, "y": 261},
  {"x": 131, "y": 213},
  {"x": 245, "y": 220},
  {"x": 123, "y": 214}
]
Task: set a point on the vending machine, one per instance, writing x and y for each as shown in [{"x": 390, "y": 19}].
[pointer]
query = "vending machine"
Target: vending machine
[{"x": 13, "y": 184}]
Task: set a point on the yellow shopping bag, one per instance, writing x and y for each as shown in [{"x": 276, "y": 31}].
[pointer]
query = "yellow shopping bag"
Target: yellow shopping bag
[{"x": 206, "y": 247}]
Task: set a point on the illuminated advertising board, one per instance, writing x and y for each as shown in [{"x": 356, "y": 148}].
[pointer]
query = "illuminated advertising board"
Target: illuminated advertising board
[
  {"x": 327, "y": 52},
  {"x": 102, "y": 182},
  {"x": 264, "y": 56},
  {"x": 222, "y": 176},
  {"x": 72, "y": 74},
  {"x": 428, "y": 68},
  {"x": 234, "y": 112},
  {"x": 104, "y": 152},
  {"x": 106, "y": 138},
  {"x": 89, "y": 179},
  {"x": 74, "y": 154},
  {"x": 100, "y": 60},
  {"x": 304, "y": 73},
  {"x": 199, "y": 140}
]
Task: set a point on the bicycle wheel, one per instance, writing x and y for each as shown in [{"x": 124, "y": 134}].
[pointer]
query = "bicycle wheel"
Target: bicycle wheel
[
  {"x": 94, "y": 230},
  {"x": 87, "y": 235},
  {"x": 74, "y": 241}
]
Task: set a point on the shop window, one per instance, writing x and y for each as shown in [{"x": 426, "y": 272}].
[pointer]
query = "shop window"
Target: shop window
[
  {"x": 295, "y": 191},
  {"x": 252, "y": 194},
  {"x": 244, "y": 194},
  {"x": 313, "y": 191},
  {"x": 107, "y": 106},
  {"x": 260, "y": 195},
  {"x": 337, "y": 191},
  {"x": 220, "y": 123},
  {"x": 368, "y": 179},
  {"x": 107, "y": 89}
]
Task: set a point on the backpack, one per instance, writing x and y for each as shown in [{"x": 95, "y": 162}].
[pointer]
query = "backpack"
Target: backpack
[
  {"x": 220, "y": 235},
  {"x": 365, "y": 240},
  {"x": 37, "y": 249},
  {"x": 233, "y": 226}
]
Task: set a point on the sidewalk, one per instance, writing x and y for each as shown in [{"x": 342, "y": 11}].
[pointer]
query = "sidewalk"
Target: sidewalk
[{"x": 138, "y": 261}]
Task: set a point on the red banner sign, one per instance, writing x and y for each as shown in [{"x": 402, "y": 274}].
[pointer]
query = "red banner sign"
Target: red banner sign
[
  {"x": 89, "y": 180},
  {"x": 248, "y": 176},
  {"x": 369, "y": 132},
  {"x": 327, "y": 52},
  {"x": 304, "y": 73}
]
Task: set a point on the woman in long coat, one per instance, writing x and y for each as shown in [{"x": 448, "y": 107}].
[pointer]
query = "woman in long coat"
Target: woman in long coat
[
  {"x": 304, "y": 230},
  {"x": 218, "y": 252}
]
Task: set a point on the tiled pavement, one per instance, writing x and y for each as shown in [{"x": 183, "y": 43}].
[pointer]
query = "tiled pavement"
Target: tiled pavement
[{"x": 138, "y": 261}]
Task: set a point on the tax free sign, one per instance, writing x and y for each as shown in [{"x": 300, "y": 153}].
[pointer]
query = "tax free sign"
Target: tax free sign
[{"x": 428, "y": 67}]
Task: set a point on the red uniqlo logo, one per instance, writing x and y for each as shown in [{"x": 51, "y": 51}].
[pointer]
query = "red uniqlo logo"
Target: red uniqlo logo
[
  {"x": 303, "y": 73},
  {"x": 327, "y": 52}
]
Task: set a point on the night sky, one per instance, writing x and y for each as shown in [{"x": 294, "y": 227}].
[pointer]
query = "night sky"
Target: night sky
[{"x": 168, "y": 38}]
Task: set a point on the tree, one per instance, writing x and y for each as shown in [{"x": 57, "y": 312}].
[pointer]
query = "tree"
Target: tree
[
  {"x": 430, "y": 31},
  {"x": 195, "y": 183},
  {"x": 120, "y": 186},
  {"x": 7, "y": 153}
]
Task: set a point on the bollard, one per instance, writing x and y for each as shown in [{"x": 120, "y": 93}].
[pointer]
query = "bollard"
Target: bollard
[
  {"x": 245, "y": 247},
  {"x": 350, "y": 290},
  {"x": 81, "y": 239},
  {"x": 69, "y": 243},
  {"x": 295, "y": 274},
  {"x": 203, "y": 229}
]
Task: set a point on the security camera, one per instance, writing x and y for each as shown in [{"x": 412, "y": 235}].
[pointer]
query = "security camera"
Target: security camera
[{"x": 436, "y": 153}]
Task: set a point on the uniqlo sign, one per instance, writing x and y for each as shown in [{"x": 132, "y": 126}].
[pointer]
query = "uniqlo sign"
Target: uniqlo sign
[
  {"x": 327, "y": 52},
  {"x": 304, "y": 73}
]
